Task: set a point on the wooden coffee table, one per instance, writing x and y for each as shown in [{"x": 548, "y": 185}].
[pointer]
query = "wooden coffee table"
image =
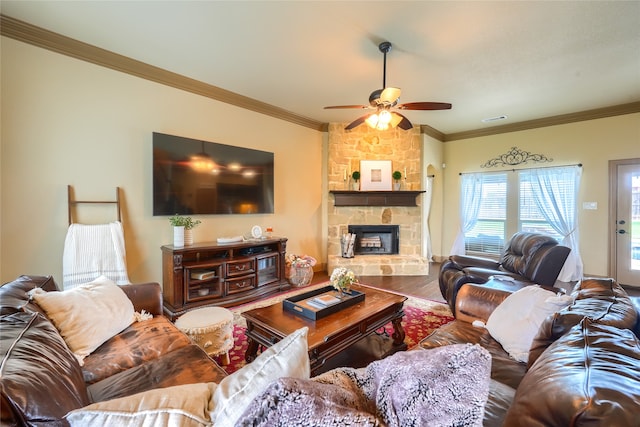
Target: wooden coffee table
[{"x": 329, "y": 335}]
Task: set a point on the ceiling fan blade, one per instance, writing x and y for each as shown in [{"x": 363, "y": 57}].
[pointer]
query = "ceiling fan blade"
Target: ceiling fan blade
[
  {"x": 334, "y": 107},
  {"x": 400, "y": 121},
  {"x": 390, "y": 95},
  {"x": 356, "y": 122},
  {"x": 424, "y": 106}
]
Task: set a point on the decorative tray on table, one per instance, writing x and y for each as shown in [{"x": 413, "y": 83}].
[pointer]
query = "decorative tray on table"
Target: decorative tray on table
[{"x": 321, "y": 302}]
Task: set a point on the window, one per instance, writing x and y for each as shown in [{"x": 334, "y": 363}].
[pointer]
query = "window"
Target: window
[
  {"x": 533, "y": 200},
  {"x": 531, "y": 215},
  {"x": 488, "y": 234}
]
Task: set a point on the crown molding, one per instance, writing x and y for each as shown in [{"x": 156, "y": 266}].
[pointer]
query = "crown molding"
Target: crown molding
[
  {"x": 598, "y": 113},
  {"x": 432, "y": 132},
  {"x": 31, "y": 34}
]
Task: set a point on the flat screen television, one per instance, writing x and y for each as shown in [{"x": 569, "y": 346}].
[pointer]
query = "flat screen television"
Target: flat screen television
[{"x": 193, "y": 177}]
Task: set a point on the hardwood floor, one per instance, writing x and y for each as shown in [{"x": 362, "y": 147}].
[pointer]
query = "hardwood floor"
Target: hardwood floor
[
  {"x": 418, "y": 286},
  {"x": 427, "y": 286}
]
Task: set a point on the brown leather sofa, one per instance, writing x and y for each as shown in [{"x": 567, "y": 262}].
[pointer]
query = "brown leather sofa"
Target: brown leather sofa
[
  {"x": 584, "y": 364},
  {"x": 528, "y": 258},
  {"x": 41, "y": 380}
]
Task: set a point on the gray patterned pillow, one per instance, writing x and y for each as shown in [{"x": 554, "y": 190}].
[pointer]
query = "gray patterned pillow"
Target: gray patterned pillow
[
  {"x": 298, "y": 402},
  {"x": 444, "y": 386}
]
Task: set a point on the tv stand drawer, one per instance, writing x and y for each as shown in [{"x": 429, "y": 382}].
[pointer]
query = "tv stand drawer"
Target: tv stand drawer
[
  {"x": 235, "y": 268},
  {"x": 241, "y": 284}
]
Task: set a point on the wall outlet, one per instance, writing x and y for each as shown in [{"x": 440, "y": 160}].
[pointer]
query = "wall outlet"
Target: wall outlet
[{"x": 590, "y": 205}]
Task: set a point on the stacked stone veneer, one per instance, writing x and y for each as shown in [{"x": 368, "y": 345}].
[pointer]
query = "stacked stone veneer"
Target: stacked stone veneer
[{"x": 404, "y": 149}]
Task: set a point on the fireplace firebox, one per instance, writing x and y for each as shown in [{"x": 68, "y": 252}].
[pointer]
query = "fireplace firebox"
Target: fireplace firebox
[{"x": 376, "y": 239}]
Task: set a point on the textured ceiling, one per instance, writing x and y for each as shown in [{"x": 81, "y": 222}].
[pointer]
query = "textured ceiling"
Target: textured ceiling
[{"x": 525, "y": 60}]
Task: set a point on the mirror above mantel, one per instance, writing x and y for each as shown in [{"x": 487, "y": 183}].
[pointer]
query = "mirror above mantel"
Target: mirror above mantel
[{"x": 376, "y": 198}]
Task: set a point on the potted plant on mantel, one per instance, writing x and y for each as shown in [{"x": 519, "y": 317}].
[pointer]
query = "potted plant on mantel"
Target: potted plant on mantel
[
  {"x": 397, "y": 176},
  {"x": 356, "y": 177},
  {"x": 182, "y": 229}
]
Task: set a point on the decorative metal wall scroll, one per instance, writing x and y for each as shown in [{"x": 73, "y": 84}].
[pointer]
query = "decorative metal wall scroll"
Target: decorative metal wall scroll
[{"x": 515, "y": 156}]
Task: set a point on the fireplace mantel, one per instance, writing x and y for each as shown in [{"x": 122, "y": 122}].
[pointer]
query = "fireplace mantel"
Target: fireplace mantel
[{"x": 375, "y": 198}]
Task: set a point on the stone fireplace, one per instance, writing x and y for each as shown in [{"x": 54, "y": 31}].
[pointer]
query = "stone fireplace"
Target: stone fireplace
[
  {"x": 404, "y": 149},
  {"x": 376, "y": 239}
]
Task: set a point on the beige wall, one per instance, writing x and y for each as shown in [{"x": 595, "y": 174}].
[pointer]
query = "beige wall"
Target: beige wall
[
  {"x": 432, "y": 159},
  {"x": 65, "y": 121},
  {"x": 592, "y": 143}
]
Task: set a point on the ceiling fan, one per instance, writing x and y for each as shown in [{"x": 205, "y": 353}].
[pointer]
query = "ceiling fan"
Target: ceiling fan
[{"x": 384, "y": 100}]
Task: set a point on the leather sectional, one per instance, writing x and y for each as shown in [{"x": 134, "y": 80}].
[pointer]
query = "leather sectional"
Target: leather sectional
[
  {"x": 41, "y": 380},
  {"x": 584, "y": 363}
]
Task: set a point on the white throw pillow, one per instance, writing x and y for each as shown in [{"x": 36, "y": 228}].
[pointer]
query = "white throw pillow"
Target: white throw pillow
[
  {"x": 287, "y": 358},
  {"x": 88, "y": 315},
  {"x": 515, "y": 322},
  {"x": 183, "y": 405}
]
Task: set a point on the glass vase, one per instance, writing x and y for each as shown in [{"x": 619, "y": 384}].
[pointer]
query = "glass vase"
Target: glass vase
[{"x": 300, "y": 275}]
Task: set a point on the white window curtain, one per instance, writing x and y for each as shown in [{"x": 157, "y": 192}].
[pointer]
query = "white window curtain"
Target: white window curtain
[
  {"x": 470, "y": 198},
  {"x": 427, "y": 249},
  {"x": 555, "y": 191}
]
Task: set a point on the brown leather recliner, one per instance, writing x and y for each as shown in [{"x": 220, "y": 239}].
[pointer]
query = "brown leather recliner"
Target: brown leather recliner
[{"x": 528, "y": 258}]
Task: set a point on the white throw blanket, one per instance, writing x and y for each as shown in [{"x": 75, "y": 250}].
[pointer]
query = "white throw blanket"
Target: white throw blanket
[{"x": 91, "y": 251}]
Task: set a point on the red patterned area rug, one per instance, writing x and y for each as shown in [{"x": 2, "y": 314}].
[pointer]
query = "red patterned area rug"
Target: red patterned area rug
[{"x": 421, "y": 317}]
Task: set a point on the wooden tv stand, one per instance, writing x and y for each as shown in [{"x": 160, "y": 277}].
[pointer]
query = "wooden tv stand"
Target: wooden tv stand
[{"x": 212, "y": 274}]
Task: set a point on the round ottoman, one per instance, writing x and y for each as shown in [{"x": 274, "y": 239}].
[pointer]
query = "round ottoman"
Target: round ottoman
[{"x": 211, "y": 328}]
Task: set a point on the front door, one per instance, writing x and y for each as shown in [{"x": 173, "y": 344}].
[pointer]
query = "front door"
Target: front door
[{"x": 627, "y": 226}]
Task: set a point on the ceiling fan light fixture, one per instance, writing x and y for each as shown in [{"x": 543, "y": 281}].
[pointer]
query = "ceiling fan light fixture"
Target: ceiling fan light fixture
[
  {"x": 372, "y": 120},
  {"x": 381, "y": 120},
  {"x": 385, "y": 99},
  {"x": 384, "y": 116}
]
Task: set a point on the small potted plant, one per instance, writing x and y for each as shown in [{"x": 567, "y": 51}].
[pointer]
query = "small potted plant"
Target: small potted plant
[
  {"x": 356, "y": 177},
  {"x": 397, "y": 176},
  {"x": 182, "y": 229}
]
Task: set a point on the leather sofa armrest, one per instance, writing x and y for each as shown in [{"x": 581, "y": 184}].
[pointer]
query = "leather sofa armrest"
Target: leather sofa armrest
[
  {"x": 481, "y": 275},
  {"x": 145, "y": 296},
  {"x": 477, "y": 302},
  {"x": 464, "y": 261}
]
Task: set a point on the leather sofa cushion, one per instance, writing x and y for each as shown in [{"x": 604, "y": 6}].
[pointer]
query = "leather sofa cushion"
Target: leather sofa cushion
[
  {"x": 137, "y": 344},
  {"x": 186, "y": 365},
  {"x": 498, "y": 403},
  {"x": 589, "y": 376},
  {"x": 40, "y": 378},
  {"x": 504, "y": 369},
  {"x": 14, "y": 298},
  {"x": 602, "y": 300}
]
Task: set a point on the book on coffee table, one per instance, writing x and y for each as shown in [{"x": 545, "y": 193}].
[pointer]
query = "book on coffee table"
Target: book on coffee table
[{"x": 322, "y": 301}]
